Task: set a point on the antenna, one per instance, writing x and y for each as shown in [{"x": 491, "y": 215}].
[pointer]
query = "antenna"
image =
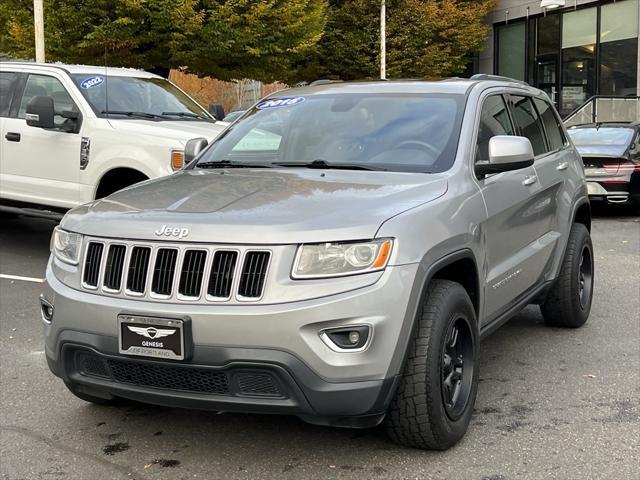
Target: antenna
[{"x": 106, "y": 82}]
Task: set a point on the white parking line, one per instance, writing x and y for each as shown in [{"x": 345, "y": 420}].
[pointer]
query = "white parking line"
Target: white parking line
[{"x": 24, "y": 279}]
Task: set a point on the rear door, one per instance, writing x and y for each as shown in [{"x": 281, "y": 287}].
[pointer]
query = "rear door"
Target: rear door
[
  {"x": 552, "y": 161},
  {"x": 41, "y": 166},
  {"x": 513, "y": 225}
]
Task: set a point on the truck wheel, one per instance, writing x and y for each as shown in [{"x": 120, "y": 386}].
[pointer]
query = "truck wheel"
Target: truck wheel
[
  {"x": 73, "y": 388},
  {"x": 434, "y": 401},
  {"x": 568, "y": 303}
]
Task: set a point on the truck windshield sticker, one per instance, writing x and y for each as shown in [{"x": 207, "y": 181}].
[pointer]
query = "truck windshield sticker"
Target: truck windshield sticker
[
  {"x": 91, "y": 82},
  {"x": 280, "y": 102}
]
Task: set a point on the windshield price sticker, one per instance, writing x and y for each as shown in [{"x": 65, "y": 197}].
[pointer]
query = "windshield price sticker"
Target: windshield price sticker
[
  {"x": 280, "y": 102},
  {"x": 91, "y": 82}
]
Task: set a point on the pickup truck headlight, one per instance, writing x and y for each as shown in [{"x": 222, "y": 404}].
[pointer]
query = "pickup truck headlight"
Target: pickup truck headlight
[
  {"x": 343, "y": 258},
  {"x": 66, "y": 246}
]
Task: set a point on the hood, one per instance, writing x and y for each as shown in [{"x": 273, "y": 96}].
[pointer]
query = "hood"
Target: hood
[
  {"x": 181, "y": 130},
  {"x": 257, "y": 206}
]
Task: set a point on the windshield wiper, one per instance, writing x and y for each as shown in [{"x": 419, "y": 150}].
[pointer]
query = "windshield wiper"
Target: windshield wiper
[
  {"x": 323, "y": 164},
  {"x": 186, "y": 115},
  {"x": 232, "y": 164},
  {"x": 131, "y": 114}
]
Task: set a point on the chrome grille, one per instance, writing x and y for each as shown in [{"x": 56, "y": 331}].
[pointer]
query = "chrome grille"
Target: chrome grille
[
  {"x": 138, "y": 266},
  {"x": 221, "y": 277},
  {"x": 253, "y": 274},
  {"x": 114, "y": 267},
  {"x": 164, "y": 271},
  {"x": 192, "y": 273},
  {"x": 92, "y": 262}
]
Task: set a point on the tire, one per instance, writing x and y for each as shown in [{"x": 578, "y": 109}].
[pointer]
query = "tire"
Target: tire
[
  {"x": 568, "y": 303},
  {"x": 74, "y": 388},
  {"x": 418, "y": 415}
]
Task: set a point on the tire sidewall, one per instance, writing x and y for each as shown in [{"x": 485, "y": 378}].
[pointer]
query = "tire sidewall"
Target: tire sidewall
[
  {"x": 456, "y": 306},
  {"x": 581, "y": 238}
]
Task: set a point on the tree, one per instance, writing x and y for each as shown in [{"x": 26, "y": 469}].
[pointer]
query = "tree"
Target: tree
[
  {"x": 229, "y": 39},
  {"x": 263, "y": 40},
  {"x": 425, "y": 38}
]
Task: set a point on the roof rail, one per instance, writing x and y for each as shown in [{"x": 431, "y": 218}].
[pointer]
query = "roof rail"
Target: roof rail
[
  {"x": 324, "y": 81},
  {"x": 484, "y": 76}
]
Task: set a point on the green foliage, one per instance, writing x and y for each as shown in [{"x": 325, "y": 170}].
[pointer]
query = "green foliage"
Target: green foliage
[
  {"x": 289, "y": 40},
  {"x": 425, "y": 38}
]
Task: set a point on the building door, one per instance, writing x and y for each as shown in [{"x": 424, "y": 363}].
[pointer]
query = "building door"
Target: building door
[{"x": 547, "y": 75}]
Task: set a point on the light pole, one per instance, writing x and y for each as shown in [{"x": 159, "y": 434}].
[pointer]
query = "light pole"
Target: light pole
[
  {"x": 38, "y": 22},
  {"x": 383, "y": 39}
]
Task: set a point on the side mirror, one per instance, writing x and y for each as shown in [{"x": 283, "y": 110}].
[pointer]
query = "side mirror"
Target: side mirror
[
  {"x": 217, "y": 110},
  {"x": 40, "y": 112},
  {"x": 193, "y": 148},
  {"x": 506, "y": 153}
]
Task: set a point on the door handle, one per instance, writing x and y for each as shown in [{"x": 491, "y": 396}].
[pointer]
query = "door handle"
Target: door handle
[
  {"x": 12, "y": 136},
  {"x": 530, "y": 180},
  {"x": 563, "y": 166}
]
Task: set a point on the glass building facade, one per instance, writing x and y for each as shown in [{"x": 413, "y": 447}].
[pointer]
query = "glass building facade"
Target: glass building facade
[{"x": 572, "y": 53}]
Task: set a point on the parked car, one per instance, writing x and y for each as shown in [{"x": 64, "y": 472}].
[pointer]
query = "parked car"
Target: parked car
[
  {"x": 70, "y": 134},
  {"x": 611, "y": 156},
  {"x": 233, "y": 116},
  {"x": 336, "y": 255}
]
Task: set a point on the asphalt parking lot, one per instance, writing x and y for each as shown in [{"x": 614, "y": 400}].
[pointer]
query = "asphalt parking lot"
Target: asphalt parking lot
[{"x": 552, "y": 403}]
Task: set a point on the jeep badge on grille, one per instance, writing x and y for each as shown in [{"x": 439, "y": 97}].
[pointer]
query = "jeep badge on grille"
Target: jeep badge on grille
[{"x": 167, "y": 231}]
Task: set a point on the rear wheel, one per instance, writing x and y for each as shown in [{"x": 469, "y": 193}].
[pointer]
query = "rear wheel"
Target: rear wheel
[
  {"x": 434, "y": 401},
  {"x": 569, "y": 301}
]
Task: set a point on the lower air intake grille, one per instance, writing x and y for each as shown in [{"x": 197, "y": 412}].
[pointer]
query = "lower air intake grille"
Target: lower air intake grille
[
  {"x": 253, "y": 274},
  {"x": 92, "y": 264},
  {"x": 113, "y": 267},
  {"x": 258, "y": 384},
  {"x": 164, "y": 271},
  {"x": 174, "y": 378}
]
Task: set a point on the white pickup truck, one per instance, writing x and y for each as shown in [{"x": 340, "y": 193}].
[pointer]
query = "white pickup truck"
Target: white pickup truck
[{"x": 72, "y": 133}]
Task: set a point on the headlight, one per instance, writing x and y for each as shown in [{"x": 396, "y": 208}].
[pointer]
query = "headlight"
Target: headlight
[
  {"x": 66, "y": 245},
  {"x": 337, "y": 259},
  {"x": 177, "y": 159}
]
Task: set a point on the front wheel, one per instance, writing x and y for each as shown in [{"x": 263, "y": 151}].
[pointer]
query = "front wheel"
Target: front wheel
[
  {"x": 433, "y": 404},
  {"x": 568, "y": 303}
]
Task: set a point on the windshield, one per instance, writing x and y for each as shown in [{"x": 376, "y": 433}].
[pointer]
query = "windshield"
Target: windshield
[
  {"x": 615, "y": 140},
  {"x": 395, "y": 132},
  {"x": 134, "y": 95}
]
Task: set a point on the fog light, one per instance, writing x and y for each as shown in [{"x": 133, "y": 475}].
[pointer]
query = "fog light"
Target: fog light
[
  {"x": 46, "y": 310},
  {"x": 346, "y": 338}
]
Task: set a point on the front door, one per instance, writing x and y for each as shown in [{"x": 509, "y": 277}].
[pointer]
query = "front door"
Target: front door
[
  {"x": 38, "y": 165},
  {"x": 513, "y": 225}
]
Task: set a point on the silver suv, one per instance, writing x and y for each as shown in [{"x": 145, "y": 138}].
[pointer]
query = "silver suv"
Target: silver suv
[{"x": 336, "y": 254}]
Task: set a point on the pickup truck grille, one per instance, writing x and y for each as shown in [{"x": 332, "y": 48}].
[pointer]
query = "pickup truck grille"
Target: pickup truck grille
[{"x": 178, "y": 272}]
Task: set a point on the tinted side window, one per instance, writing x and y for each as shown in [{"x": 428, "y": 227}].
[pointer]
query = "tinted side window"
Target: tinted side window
[
  {"x": 8, "y": 81},
  {"x": 528, "y": 123},
  {"x": 494, "y": 120},
  {"x": 44, "y": 85},
  {"x": 552, "y": 127}
]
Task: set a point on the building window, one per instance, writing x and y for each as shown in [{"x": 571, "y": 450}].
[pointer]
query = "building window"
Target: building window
[
  {"x": 578, "y": 58},
  {"x": 619, "y": 43},
  {"x": 511, "y": 51}
]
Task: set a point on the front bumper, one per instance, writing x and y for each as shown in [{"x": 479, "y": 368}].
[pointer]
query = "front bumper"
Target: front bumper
[{"x": 273, "y": 345}]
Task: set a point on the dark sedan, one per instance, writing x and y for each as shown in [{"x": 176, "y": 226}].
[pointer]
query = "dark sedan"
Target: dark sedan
[{"x": 611, "y": 156}]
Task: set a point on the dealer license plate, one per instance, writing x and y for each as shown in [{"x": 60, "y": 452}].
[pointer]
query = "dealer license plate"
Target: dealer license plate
[{"x": 151, "y": 337}]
